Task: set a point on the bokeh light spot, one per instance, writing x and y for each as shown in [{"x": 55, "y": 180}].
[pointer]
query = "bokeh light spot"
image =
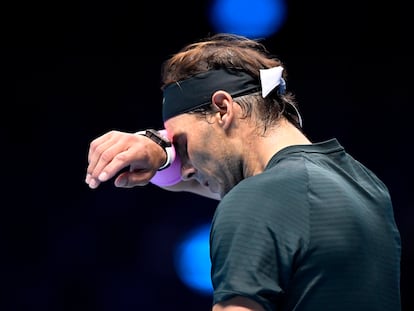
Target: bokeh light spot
[
  {"x": 192, "y": 260},
  {"x": 250, "y": 18}
]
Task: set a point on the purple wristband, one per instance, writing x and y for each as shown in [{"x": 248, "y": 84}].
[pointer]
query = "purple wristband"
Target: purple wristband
[{"x": 172, "y": 174}]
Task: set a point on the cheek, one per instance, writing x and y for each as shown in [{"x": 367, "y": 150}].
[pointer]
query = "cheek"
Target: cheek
[
  {"x": 203, "y": 155},
  {"x": 197, "y": 152}
]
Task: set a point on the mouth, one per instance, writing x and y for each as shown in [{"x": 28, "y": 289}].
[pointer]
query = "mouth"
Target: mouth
[{"x": 212, "y": 188}]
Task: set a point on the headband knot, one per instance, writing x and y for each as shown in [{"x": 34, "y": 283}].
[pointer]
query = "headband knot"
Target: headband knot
[{"x": 271, "y": 78}]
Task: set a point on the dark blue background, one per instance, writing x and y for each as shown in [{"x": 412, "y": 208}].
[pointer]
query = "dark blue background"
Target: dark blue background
[{"x": 73, "y": 70}]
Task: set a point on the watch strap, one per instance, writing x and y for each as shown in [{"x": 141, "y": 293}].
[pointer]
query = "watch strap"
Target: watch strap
[{"x": 161, "y": 140}]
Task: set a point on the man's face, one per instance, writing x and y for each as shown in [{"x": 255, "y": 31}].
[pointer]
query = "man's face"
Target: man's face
[{"x": 204, "y": 151}]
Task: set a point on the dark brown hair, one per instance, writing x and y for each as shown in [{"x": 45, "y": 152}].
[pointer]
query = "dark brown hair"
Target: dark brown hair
[{"x": 233, "y": 51}]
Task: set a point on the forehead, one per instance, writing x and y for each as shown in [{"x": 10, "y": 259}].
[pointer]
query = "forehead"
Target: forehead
[{"x": 181, "y": 124}]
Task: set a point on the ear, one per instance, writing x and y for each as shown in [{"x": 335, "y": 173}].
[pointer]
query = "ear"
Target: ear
[{"x": 224, "y": 104}]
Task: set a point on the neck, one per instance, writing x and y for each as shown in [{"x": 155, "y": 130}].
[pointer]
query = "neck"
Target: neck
[{"x": 261, "y": 148}]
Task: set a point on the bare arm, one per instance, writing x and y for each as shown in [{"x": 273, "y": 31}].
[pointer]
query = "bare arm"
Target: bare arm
[
  {"x": 133, "y": 160},
  {"x": 238, "y": 304},
  {"x": 114, "y": 152}
]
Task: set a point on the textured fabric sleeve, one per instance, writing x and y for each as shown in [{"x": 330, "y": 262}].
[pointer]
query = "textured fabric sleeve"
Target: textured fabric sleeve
[{"x": 258, "y": 233}]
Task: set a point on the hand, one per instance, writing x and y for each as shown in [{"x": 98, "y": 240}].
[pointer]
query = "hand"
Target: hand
[{"x": 114, "y": 151}]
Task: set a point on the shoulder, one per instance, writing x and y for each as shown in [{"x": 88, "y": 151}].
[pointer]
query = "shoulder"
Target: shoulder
[
  {"x": 285, "y": 181},
  {"x": 277, "y": 196}
]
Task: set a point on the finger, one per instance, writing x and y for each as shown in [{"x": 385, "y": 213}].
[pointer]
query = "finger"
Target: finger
[
  {"x": 93, "y": 183},
  {"x": 96, "y": 148},
  {"x": 101, "y": 152},
  {"x": 110, "y": 152},
  {"x": 133, "y": 179},
  {"x": 112, "y": 162},
  {"x": 108, "y": 166},
  {"x": 134, "y": 153}
]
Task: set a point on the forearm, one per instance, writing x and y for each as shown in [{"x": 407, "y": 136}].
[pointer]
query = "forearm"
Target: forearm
[
  {"x": 134, "y": 160},
  {"x": 238, "y": 304}
]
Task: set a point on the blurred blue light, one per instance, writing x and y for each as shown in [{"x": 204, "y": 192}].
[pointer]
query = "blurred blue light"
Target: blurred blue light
[
  {"x": 192, "y": 260},
  {"x": 250, "y": 18}
]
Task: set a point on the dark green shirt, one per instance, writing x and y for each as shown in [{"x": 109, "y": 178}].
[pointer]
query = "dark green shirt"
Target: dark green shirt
[{"x": 314, "y": 231}]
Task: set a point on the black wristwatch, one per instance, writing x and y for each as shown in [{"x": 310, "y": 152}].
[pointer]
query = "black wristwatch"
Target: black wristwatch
[{"x": 156, "y": 137}]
